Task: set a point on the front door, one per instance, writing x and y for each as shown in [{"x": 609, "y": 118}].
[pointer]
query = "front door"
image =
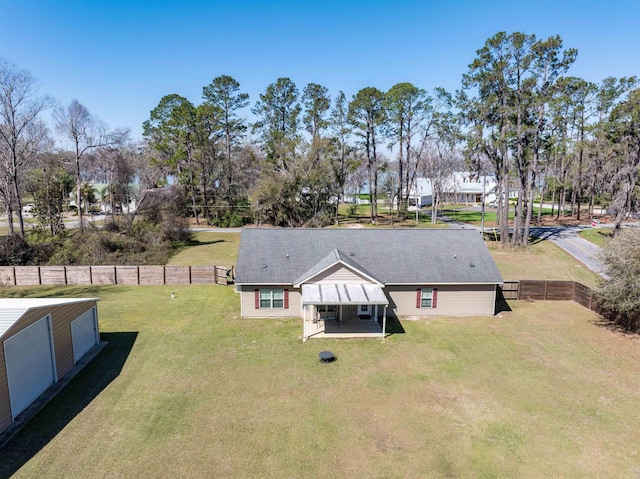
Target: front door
[{"x": 364, "y": 310}]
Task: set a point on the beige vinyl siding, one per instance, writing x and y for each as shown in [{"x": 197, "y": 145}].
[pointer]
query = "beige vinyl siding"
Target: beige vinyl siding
[
  {"x": 247, "y": 297},
  {"x": 454, "y": 300},
  {"x": 61, "y": 317},
  {"x": 338, "y": 274}
]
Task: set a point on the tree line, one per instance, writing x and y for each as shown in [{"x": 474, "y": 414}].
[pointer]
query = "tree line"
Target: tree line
[{"x": 518, "y": 116}]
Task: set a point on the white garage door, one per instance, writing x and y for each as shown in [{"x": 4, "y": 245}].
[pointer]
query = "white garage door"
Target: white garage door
[
  {"x": 84, "y": 333},
  {"x": 30, "y": 364}
]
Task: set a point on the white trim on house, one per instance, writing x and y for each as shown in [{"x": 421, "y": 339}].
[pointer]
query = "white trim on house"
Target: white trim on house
[
  {"x": 343, "y": 294},
  {"x": 345, "y": 265}
]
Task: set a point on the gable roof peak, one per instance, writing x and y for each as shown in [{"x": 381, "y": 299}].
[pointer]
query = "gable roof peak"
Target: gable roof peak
[{"x": 334, "y": 256}]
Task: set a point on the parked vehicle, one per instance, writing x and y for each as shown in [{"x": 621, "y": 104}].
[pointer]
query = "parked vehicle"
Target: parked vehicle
[{"x": 28, "y": 208}]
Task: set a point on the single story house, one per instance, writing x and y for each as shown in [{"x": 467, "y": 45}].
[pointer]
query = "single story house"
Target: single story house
[
  {"x": 344, "y": 282},
  {"x": 41, "y": 339},
  {"x": 461, "y": 187}
]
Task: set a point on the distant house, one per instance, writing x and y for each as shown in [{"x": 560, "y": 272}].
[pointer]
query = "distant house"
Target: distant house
[
  {"x": 41, "y": 339},
  {"x": 345, "y": 282},
  {"x": 100, "y": 198},
  {"x": 461, "y": 187}
]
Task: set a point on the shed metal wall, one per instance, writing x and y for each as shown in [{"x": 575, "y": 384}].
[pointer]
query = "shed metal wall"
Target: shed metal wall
[{"x": 61, "y": 317}]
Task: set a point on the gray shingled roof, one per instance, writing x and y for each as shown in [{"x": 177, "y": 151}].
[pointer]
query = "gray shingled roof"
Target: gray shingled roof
[
  {"x": 332, "y": 258},
  {"x": 393, "y": 256}
]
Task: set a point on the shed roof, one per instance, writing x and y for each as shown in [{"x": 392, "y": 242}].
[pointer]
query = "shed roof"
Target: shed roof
[
  {"x": 12, "y": 309},
  {"x": 398, "y": 256}
]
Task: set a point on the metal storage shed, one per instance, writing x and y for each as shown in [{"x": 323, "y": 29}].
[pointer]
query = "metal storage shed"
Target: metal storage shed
[{"x": 41, "y": 339}]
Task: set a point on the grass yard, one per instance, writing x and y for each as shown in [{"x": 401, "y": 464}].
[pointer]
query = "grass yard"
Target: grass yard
[
  {"x": 598, "y": 236},
  {"x": 186, "y": 388},
  {"x": 208, "y": 249},
  {"x": 473, "y": 216},
  {"x": 542, "y": 260},
  {"x": 386, "y": 219}
]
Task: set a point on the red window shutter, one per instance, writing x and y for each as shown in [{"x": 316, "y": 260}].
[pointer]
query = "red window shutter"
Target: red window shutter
[
  {"x": 418, "y": 298},
  {"x": 257, "y": 305},
  {"x": 286, "y": 299},
  {"x": 434, "y": 300}
]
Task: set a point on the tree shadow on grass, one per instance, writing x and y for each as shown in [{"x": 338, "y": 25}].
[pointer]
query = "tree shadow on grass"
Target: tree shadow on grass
[
  {"x": 68, "y": 403},
  {"x": 194, "y": 242}
]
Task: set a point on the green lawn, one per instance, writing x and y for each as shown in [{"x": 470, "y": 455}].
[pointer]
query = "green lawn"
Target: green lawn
[
  {"x": 474, "y": 216},
  {"x": 542, "y": 260},
  {"x": 188, "y": 389},
  {"x": 209, "y": 249},
  {"x": 598, "y": 236},
  {"x": 385, "y": 217}
]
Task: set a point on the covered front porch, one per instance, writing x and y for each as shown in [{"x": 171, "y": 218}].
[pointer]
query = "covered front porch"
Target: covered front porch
[{"x": 343, "y": 311}]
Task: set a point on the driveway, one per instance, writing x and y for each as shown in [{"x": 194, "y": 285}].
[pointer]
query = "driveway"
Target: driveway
[{"x": 568, "y": 238}]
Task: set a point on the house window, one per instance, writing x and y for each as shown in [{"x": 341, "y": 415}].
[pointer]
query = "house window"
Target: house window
[
  {"x": 427, "y": 298},
  {"x": 364, "y": 308},
  {"x": 271, "y": 298}
]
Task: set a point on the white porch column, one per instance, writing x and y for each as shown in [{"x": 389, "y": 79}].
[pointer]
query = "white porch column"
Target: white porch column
[
  {"x": 304, "y": 324},
  {"x": 384, "y": 322},
  {"x": 375, "y": 313}
]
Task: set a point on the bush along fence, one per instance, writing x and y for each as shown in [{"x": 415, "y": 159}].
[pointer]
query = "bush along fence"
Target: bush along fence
[
  {"x": 567, "y": 291},
  {"x": 107, "y": 275}
]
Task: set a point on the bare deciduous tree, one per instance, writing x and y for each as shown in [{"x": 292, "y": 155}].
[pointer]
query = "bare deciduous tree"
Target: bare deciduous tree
[
  {"x": 85, "y": 132},
  {"x": 19, "y": 110}
]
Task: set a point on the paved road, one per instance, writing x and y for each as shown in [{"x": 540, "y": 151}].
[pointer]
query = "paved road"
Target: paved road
[{"x": 567, "y": 237}]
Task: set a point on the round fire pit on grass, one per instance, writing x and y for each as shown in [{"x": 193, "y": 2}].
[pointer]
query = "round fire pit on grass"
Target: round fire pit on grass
[{"x": 326, "y": 357}]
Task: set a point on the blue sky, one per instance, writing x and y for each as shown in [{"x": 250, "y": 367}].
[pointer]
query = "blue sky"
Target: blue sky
[{"x": 119, "y": 58}]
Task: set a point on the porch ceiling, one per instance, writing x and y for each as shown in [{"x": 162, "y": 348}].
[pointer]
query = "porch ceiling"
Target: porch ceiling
[{"x": 343, "y": 294}]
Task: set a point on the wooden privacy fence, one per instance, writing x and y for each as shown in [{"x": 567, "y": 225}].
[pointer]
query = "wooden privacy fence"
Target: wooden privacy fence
[
  {"x": 568, "y": 291},
  {"x": 105, "y": 275},
  {"x": 550, "y": 291}
]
